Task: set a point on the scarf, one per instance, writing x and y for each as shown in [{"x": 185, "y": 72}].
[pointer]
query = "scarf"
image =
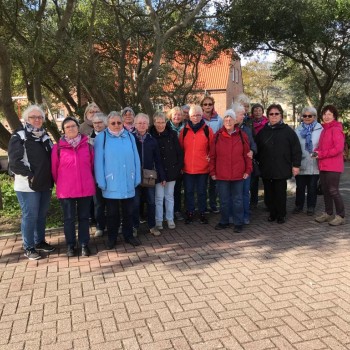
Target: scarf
[
  {"x": 305, "y": 133},
  {"x": 197, "y": 126},
  {"x": 36, "y": 133},
  {"x": 116, "y": 133},
  {"x": 74, "y": 142},
  {"x": 178, "y": 128}
]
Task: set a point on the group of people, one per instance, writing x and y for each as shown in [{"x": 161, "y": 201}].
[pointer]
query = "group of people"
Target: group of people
[{"x": 111, "y": 166}]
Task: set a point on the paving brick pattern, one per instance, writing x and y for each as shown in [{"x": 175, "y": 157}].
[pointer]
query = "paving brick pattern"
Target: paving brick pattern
[{"x": 270, "y": 287}]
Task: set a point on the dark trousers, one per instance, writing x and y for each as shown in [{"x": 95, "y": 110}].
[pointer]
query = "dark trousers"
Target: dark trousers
[
  {"x": 212, "y": 193},
  {"x": 254, "y": 189},
  {"x": 70, "y": 207},
  {"x": 114, "y": 218},
  {"x": 330, "y": 186},
  {"x": 309, "y": 183},
  {"x": 275, "y": 192},
  {"x": 149, "y": 194},
  {"x": 99, "y": 206},
  {"x": 198, "y": 183},
  {"x": 177, "y": 194}
]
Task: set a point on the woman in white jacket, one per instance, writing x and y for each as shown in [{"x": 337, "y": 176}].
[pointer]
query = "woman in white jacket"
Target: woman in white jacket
[{"x": 308, "y": 132}]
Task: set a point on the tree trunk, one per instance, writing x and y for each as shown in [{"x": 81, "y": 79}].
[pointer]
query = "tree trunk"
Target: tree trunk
[{"x": 4, "y": 137}]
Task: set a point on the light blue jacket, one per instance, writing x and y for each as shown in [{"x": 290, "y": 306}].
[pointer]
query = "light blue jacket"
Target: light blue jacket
[
  {"x": 215, "y": 122},
  {"x": 309, "y": 166},
  {"x": 117, "y": 165}
]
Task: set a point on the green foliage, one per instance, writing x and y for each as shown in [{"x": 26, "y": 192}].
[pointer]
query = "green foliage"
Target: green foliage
[{"x": 13, "y": 210}]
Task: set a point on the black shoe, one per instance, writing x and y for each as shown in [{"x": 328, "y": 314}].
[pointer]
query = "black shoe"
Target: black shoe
[
  {"x": 85, "y": 250},
  {"x": 271, "y": 218},
  {"x": 70, "y": 251},
  {"x": 297, "y": 210},
  {"x": 281, "y": 220},
  {"x": 221, "y": 226},
  {"x": 237, "y": 228},
  {"x": 203, "y": 219},
  {"x": 110, "y": 245},
  {"x": 189, "y": 218},
  {"x": 133, "y": 241},
  {"x": 44, "y": 247},
  {"x": 32, "y": 254},
  {"x": 310, "y": 211}
]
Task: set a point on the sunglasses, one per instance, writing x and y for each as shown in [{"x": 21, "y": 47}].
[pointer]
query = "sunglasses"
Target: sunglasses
[
  {"x": 271, "y": 114},
  {"x": 118, "y": 123},
  {"x": 307, "y": 116},
  {"x": 207, "y": 104}
]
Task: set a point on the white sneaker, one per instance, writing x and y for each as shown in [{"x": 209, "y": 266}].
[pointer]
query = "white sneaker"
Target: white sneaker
[
  {"x": 324, "y": 217},
  {"x": 338, "y": 220},
  {"x": 171, "y": 224},
  {"x": 99, "y": 233},
  {"x": 154, "y": 231},
  {"x": 159, "y": 225},
  {"x": 134, "y": 232}
]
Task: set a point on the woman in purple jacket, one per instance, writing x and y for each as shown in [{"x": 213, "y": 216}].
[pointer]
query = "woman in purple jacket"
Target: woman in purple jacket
[{"x": 72, "y": 163}]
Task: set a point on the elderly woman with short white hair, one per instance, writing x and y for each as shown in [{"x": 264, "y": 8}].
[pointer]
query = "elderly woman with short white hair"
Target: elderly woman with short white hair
[
  {"x": 29, "y": 153},
  {"x": 230, "y": 165},
  {"x": 86, "y": 127}
]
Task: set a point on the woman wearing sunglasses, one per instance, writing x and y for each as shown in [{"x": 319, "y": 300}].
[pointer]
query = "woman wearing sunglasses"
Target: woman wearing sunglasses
[
  {"x": 308, "y": 132},
  {"x": 279, "y": 156},
  {"x": 117, "y": 173}
]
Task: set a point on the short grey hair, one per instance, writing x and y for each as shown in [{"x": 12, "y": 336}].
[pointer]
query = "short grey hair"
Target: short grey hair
[
  {"x": 114, "y": 114},
  {"x": 309, "y": 109},
  {"x": 30, "y": 109},
  {"x": 141, "y": 115},
  {"x": 159, "y": 115},
  {"x": 195, "y": 109},
  {"x": 100, "y": 117},
  {"x": 237, "y": 107},
  {"x": 242, "y": 99}
]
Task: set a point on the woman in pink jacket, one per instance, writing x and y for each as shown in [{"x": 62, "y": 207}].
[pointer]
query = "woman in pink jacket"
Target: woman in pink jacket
[
  {"x": 331, "y": 164},
  {"x": 72, "y": 163}
]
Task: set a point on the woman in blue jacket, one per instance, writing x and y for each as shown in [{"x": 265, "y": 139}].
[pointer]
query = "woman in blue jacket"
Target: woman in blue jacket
[{"x": 118, "y": 173}]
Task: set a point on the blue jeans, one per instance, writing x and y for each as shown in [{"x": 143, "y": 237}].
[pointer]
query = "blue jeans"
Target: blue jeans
[
  {"x": 231, "y": 196},
  {"x": 34, "y": 206},
  {"x": 246, "y": 189},
  {"x": 99, "y": 205},
  {"x": 303, "y": 182},
  {"x": 212, "y": 192},
  {"x": 197, "y": 182},
  {"x": 114, "y": 219},
  {"x": 165, "y": 194},
  {"x": 149, "y": 194},
  {"x": 70, "y": 206}
]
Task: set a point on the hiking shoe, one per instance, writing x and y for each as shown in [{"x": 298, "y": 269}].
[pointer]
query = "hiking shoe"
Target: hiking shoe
[
  {"x": 154, "y": 231},
  {"x": 297, "y": 210},
  {"x": 281, "y": 220},
  {"x": 189, "y": 218},
  {"x": 220, "y": 226},
  {"x": 237, "y": 228},
  {"x": 171, "y": 224},
  {"x": 178, "y": 216},
  {"x": 134, "y": 232},
  {"x": 85, "y": 250},
  {"x": 70, "y": 251},
  {"x": 99, "y": 233},
  {"x": 32, "y": 254},
  {"x": 110, "y": 245},
  {"x": 338, "y": 220},
  {"x": 324, "y": 218},
  {"x": 44, "y": 247},
  {"x": 203, "y": 219},
  {"x": 159, "y": 225},
  {"x": 133, "y": 241},
  {"x": 271, "y": 218}
]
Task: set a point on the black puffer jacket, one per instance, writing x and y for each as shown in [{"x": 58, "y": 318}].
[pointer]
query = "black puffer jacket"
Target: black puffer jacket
[
  {"x": 170, "y": 152},
  {"x": 278, "y": 151},
  {"x": 31, "y": 158}
]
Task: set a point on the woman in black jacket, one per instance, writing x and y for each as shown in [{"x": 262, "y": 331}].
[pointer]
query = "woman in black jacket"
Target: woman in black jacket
[
  {"x": 30, "y": 161},
  {"x": 172, "y": 160},
  {"x": 279, "y": 155}
]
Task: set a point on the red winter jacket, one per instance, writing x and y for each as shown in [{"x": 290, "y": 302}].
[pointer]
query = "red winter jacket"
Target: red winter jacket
[
  {"x": 228, "y": 155},
  {"x": 196, "y": 149},
  {"x": 330, "y": 147}
]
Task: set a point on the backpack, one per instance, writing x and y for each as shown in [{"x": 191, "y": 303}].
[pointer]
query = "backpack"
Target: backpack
[{"x": 22, "y": 135}]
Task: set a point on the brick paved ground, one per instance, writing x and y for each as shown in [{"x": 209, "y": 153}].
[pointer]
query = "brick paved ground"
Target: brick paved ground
[{"x": 271, "y": 287}]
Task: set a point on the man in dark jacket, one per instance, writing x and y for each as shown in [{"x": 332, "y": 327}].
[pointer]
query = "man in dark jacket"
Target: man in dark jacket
[{"x": 279, "y": 155}]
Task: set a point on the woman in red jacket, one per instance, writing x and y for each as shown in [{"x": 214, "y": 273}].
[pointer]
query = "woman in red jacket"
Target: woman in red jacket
[
  {"x": 331, "y": 164},
  {"x": 229, "y": 166}
]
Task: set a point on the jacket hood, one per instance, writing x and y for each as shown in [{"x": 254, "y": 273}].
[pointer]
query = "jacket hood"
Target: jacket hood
[{"x": 333, "y": 124}]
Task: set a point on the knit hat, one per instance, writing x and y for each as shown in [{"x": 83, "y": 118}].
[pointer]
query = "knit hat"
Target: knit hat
[
  {"x": 230, "y": 113},
  {"x": 128, "y": 109}
]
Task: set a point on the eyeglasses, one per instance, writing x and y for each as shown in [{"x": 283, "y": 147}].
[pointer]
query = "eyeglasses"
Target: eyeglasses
[
  {"x": 97, "y": 122},
  {"x": 309, "y": 116},
  {"x": 70, "y": 126},
  {"x": 271, "y": 114},
  {"x": 207, "y": 104},
  {"x": 118, "y": 123},
  {"x": 35, "y": 117},
  {"x": 93, "y": 112}
]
